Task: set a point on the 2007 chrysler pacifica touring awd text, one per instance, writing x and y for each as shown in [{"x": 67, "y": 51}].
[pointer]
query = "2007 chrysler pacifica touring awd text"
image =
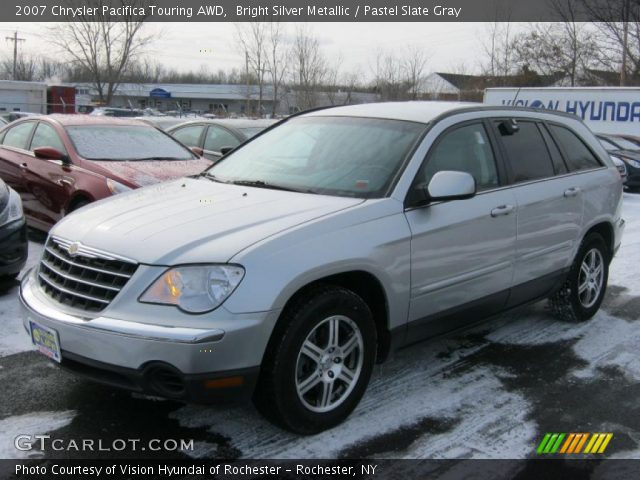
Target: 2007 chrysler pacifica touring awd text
[{"x": 288, "y": 269}]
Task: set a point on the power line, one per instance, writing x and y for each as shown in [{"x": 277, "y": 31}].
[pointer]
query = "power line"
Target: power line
[{"x": 15, "y": 41}]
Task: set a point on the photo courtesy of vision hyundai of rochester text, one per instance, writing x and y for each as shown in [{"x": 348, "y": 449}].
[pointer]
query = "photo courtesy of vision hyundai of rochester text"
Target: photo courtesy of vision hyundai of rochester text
[{"x": 288, "y": 269}]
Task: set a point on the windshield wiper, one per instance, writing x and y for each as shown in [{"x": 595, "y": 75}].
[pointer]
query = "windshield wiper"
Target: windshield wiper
[
  {"x": 159, "y": 158},
  {"x": 263, "y": 184}
]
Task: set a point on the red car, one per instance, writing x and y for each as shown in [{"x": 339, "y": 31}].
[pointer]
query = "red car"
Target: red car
[{"x": 58, "y": 163}]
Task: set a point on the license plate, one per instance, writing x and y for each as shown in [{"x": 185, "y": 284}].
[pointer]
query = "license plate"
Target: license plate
[{"x": 46, "y": 339}]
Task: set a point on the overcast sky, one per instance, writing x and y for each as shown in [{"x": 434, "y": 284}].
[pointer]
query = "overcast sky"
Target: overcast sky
[{"x": 187, "y": 46}]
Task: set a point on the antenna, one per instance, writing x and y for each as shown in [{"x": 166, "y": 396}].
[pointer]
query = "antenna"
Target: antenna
[{"x": 513, "y": 102}]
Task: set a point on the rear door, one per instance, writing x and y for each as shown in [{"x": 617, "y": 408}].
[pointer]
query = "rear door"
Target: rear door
[
  {"x": 550, "y": 206},
  {"x": 462, "y": 251}
]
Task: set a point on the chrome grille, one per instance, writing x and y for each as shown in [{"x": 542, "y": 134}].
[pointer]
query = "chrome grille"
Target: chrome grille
[{"x": 86, "y": 278}]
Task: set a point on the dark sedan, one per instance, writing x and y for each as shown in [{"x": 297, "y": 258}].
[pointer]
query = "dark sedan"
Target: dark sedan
[
  {"x": 626, "y": 151},
  {"x": 13, "y": 234},
  {"x": 58, "y": 163},
  {"x": 214, "y": 136}
]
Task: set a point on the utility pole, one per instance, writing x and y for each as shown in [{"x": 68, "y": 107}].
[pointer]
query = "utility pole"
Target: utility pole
[
  {"x": 625, "y": 42},
  {"x": 15, "y": 41}
]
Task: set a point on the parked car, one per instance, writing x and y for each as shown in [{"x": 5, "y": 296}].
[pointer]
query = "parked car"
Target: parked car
[
  {"x": 214, "y": 136},
  {"x": 626, "y": 151},
  {"x": 13, "y": 234},
  {"x": 622, "y": 168},
  {"x": 9, "y": 117},
  {"x": 59, "y": 163},
  {"x": 310, "y": 252},
  {"x": 116, "y": 112},
  {"x": 163, "y": 123}
]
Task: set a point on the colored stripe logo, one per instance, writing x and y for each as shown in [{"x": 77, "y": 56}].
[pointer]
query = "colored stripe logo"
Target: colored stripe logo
[{"x": 572, "y": 443}]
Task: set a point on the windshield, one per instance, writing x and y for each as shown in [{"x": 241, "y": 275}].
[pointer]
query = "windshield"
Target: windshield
[
  {"x": 343, "y": 156},
  {"x": 126, "y": 142}
]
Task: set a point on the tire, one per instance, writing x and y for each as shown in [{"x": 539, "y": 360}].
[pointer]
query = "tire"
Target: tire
[
  {"x": 79, "y": 204},
  {"x": 580, "y": 297},
  {"x": 312, "y": 380}
]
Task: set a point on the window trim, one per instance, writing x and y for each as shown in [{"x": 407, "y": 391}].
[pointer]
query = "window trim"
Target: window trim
[{"x": 497, "y": 157}]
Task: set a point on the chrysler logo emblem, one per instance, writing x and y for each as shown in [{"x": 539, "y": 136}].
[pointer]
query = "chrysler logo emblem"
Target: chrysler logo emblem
[{"x": 73, "y": 249}]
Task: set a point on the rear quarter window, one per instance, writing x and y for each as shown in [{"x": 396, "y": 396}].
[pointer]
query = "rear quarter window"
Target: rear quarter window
[
  {"x": 577, "y": 154},
  {"x": 18, "y": 136}
]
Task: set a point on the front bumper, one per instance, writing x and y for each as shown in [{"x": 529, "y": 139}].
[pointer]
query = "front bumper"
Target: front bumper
[
  {"x": 13, "y": 247},
  {"x": 183, "y": 363}
]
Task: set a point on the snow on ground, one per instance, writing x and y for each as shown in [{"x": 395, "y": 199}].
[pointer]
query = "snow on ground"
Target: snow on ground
[
  {"x": 13, "y": 338},
  {"x": 36, "y": 423}
]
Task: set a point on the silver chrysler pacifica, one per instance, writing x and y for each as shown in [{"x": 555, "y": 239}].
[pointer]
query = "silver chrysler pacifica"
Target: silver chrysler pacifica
[{"x": 307, "y": 254}]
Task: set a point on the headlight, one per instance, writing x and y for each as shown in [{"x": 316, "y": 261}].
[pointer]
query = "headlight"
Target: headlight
[
  {"x": 116, "y": 187},
  {"x": 194, "y": 289},
  {"x": 13, "y": 210}
]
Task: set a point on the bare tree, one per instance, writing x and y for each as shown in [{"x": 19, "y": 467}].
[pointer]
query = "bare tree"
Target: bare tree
[
  {"x": 561, "y": 48},
  {"x": 497, "y": 43},
  {"x": 252, "y": 39},
  {"x": 387, "y": 73},
  {"x": 414, "y": 66},
  {"x": 618, "y": 26},
  {"x": 276, "y": 60},
  {"x": 308, "y": 67},
  {"x": 102, "y": 45}
]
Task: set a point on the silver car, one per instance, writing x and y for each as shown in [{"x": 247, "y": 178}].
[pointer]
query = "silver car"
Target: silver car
[{"x": 288, "y": 269}]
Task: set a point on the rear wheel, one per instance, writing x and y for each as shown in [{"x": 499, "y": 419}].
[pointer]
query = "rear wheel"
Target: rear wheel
[
  {"x": 580, "y": 297},
  {"x": 315, "y": 375}
]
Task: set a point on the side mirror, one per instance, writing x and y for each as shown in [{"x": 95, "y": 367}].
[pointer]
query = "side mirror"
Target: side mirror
[
  {"x": 451, "y": 185},
  {"x": 198, "y": 151},
  {"x": 50, "y": 153},
  {"x": 225, "y": 150}
]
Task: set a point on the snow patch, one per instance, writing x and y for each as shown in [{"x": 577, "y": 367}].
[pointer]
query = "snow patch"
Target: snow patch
[{"x": 37, "y": 423}]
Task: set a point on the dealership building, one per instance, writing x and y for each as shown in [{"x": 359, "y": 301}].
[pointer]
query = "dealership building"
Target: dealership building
[{"x": 214, "y": 98}]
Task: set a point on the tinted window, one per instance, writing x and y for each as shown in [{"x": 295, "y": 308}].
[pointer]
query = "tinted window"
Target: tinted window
[
  {"x": 578, "y": 156},
  {"x": 127, "y": 142},
  {"x": 18, "y": 135},
  {"x": 526, "y": 151},
  {"x": 190, "y": 136},
  {"x": 219, "y": 137},
  {"x": 465, "y": 149},
  {"x": 46, "y": 136},
  {"x": 346, "y": 156},
  {"x": 556, "y": 157}
]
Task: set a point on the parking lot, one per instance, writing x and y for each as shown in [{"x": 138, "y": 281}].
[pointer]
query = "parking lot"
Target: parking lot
[{"x": 489, "y": 392}]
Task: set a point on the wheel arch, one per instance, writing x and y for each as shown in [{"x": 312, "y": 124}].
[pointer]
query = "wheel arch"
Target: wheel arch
[{"x": 364, "y": 284}]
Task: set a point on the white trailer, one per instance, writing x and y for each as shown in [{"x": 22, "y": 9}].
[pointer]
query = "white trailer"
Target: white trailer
[
  {"x": 23, "y": 96},
  {"x": 603, "y": 109}
]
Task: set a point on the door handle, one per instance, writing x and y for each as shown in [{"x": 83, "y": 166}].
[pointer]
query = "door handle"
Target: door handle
[
  {"x": 571, "y": 192},
  {"x": 502, "y": 210},
  {"x": 24, "y": 166}
]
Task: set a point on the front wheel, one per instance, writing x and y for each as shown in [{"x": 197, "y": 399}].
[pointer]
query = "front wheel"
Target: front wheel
[
  {"x": 316, "y": 373},
  {"x": 580, "y": 297}
]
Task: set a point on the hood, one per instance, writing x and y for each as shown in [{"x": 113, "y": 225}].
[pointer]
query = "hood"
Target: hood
[
  {"x": 149, "y": 172},
  {"x": 632, "y": 154},
  {"x": 192, "y": 220}
]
